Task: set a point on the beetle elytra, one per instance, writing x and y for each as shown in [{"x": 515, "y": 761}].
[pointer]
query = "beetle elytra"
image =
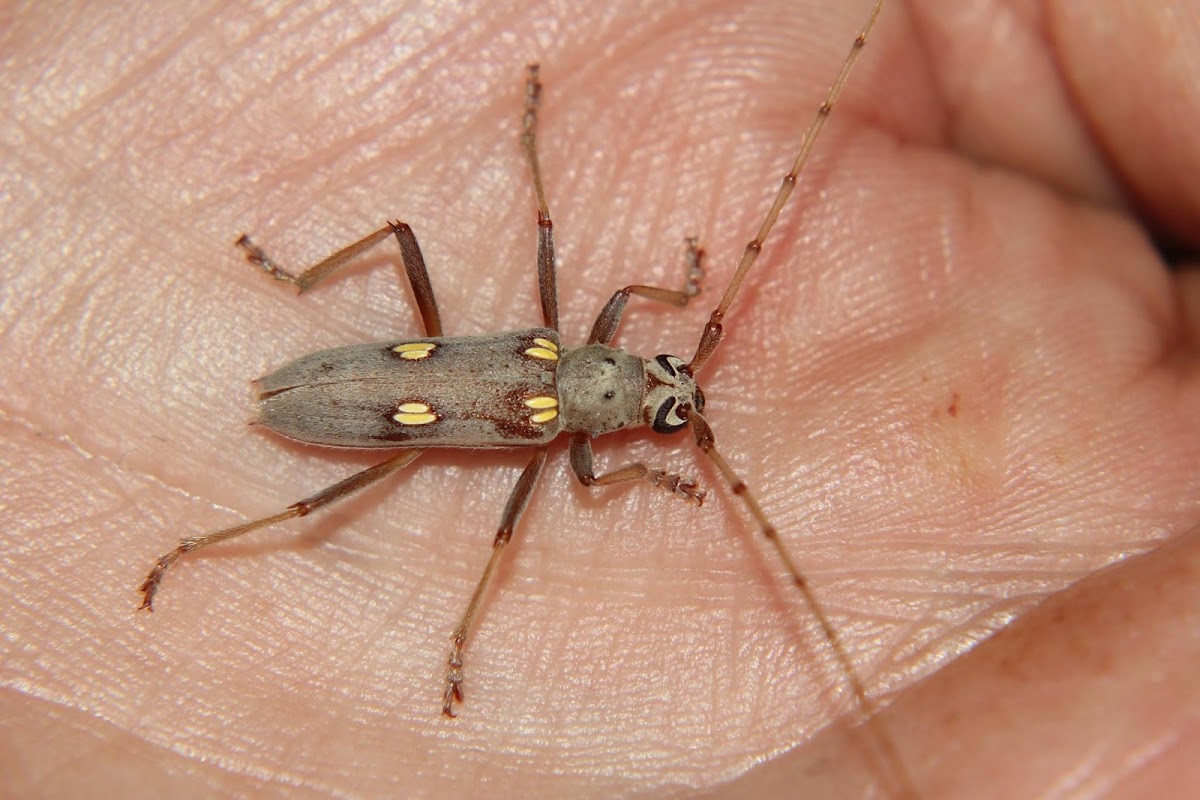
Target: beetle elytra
[{"x": 519, "y": 388}]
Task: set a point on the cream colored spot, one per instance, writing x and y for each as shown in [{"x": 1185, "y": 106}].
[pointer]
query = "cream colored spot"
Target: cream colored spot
[
  {"x": 544, "y": 349},
  {"x": 546, "y": 407},
  {"x": 414, "y": 351},
  {"x": 414, "y": 414},
  {"x": 415, "y": 419}
]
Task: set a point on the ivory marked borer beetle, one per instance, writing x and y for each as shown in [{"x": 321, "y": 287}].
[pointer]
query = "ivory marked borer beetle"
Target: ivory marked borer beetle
[{"x": 515, "y": 389}]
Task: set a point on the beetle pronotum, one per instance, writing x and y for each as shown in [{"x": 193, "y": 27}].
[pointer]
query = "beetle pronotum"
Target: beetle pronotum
[{"x": 514, "y": 389}]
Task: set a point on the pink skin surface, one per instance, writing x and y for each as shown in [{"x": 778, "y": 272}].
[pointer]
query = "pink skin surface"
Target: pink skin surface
[{"x": 961, "y": 379}]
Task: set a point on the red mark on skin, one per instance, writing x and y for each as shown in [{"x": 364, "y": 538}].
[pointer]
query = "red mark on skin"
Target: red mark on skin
[{"x": 953, "y": 409}]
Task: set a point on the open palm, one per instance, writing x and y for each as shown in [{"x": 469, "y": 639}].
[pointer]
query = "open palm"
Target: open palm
[{"x": 961, "y": 379}]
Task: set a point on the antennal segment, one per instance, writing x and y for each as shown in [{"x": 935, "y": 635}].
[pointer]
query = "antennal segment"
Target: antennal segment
[
  {"x": 866, "y": 707},
  {"x": 712, "y": 330}
]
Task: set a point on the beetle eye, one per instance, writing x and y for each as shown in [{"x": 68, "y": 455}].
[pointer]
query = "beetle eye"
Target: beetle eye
[{"x": 668, "y": 419}]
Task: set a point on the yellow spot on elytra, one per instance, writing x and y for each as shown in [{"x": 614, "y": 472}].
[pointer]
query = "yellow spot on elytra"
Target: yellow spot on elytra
[
  {"x": 544, "y": 349},
  {"x": 414, "y": 351},
  {"x": 415, "y": 419},
  {"x": 414, "y": 414},
  {"x": 546, "y": 402}
]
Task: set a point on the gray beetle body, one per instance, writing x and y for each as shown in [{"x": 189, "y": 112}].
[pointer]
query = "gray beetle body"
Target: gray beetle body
[{"x": 513, "y": 389}]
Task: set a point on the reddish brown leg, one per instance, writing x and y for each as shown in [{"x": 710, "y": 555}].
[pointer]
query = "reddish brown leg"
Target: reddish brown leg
[
  {"x": 410, "y": 254},
  {"x": 512, "y": 512},
  {"x": 309, "y": 504},
  {"x": 610, "y": 317},
  {"x": 547, "y": 270},
  {"x": 581, "y": 465},
  {"x": 605, "y": 327}
]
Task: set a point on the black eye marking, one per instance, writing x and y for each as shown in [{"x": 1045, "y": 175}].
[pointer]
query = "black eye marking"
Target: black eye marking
[
  {"x": 610, "y": 362},
  {"x": 610, "y": 394},
  {"x": 661, "y": 425},
  {"x": 665, "y": 362}
]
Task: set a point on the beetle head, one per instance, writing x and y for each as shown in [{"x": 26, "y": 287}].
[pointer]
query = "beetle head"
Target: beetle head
[{"x": 670, "y": 392}]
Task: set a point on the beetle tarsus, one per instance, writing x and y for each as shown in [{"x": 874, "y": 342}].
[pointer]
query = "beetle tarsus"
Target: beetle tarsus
[
  {"x": 454, "y": 679},
  {"x": 453, "y": 694},
  {"x": 684, "y": 488},
  {"x": 150, "y": 586},
  {"x": 258, "y": 257}
]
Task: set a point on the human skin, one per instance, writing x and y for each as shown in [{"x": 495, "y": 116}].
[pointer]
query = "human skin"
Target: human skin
[{"x": 961, "y": 379}]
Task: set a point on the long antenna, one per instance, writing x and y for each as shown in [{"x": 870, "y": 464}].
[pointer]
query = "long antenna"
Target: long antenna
[
  {"x": 712, "y": 330},
  {"x": 866, "y": 706},
  {"x": 709, "y": 340}
]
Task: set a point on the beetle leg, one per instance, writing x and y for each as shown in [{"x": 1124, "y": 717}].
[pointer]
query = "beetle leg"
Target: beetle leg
[
  {"x": 309, "y": 504},
  {"x": 418, "y": 277},
  {"x": 547, "y": 270},
  {"x": 512, "y": 512},
  {"x": 410, "y": 254},
  {"x": 606, "y": 324},
  {"x": 581, "y": 464}
]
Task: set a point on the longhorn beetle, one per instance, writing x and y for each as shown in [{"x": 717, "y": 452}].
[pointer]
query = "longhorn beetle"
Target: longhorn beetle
[{"x": 514, "y": 389}]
